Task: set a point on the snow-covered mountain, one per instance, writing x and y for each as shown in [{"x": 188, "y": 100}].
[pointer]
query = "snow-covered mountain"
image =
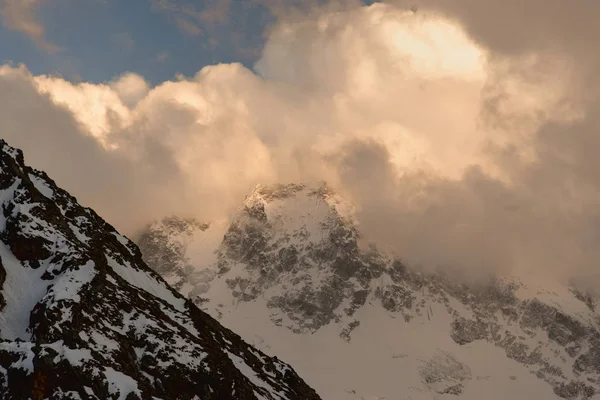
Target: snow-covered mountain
[
  {"x": 288, "y": 273},
  {"x": 82, "y": 316}
]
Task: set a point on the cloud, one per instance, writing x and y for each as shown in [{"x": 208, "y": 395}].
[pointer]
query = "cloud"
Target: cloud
[
  {"x": 461, "y": 151},
  {"x": 162, "y": 56},
  {"x": 192, "y": 20},
  {"x": 123, "y": 134},
  {"x": 131, "y": 88},
  {"x": 20, "y": 15},
  {"x": 124, "y": 41},
  {"x": 545, "y": 25}
]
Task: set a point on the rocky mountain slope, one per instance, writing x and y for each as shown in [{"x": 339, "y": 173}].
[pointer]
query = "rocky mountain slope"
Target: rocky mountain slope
[
  {"x": 83, "y": 317},
  {"x": 288, "y": 273}
]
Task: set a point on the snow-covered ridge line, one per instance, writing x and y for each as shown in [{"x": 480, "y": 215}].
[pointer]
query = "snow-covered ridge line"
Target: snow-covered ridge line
[{"x": 83, "y": 317}]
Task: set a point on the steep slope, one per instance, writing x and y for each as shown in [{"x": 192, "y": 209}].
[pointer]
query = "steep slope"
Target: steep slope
[
  {"x": 82, "y": 316},
  {"x": 291, "y": 277}
]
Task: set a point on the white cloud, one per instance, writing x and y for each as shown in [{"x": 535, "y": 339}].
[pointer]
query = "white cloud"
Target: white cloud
[
  {"x": 131, "y": 88},
  {"x": 456, "y": 155},
  {"x": 97, "y": 107}
]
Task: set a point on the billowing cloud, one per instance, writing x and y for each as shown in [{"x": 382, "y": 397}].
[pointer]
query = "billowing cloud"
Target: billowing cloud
[
  {"x": 130, "y": 88},
  {"x": 460, "y": 151}
]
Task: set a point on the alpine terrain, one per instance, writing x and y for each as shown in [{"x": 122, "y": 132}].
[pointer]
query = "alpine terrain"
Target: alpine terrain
[
  {"x": 83, "y": 317},
  {"x": 289, "y": 274}
]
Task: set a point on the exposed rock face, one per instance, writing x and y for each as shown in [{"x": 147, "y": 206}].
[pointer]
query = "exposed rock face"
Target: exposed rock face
[
  {"x": 316, "y": 251},
  {"x": 444, "y": 373},
  {"x": 165, "y": 255},
  {"x": 83, "y": 317},
  {"x": 296, "y": 250}
]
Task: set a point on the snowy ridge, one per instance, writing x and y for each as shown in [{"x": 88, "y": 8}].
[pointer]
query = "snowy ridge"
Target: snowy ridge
[
  {"x": 82, "y": 316},
  {"x": 291, "y": 278}
]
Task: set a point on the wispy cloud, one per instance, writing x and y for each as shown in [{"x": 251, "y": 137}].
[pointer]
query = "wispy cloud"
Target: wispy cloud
[
  {"x": 162, "y": 56},
  {"x": 192, "y": 20},
  {"x": 124, "y": 41},
  {"x": 188, "y": 27},
  {"x": 21, "y": 16}
]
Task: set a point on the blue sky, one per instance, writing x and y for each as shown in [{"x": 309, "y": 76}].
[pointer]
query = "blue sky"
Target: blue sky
[{"x": 101, "y": 39}]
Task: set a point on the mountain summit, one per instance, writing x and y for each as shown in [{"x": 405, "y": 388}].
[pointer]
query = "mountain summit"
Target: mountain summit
[
  {"x": 83, "y": 317},
  {"x": 289, "y": 274}
]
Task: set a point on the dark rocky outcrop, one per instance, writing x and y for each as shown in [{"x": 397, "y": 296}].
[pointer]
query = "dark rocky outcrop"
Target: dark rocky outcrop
[{"x": 2, "y": 279}]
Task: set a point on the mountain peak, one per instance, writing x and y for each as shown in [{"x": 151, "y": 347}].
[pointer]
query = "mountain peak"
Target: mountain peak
[
  {"x": 279, "y": 199},
  {"x": 289, "y": 274},
  {"x": 267, "y": 193}
]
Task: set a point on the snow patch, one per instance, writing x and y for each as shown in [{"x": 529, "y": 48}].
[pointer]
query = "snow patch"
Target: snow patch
[
  {"x": 22, "y": 290},
  {"x": 68, "y": 285},
  {"x": 145, "y": 281},
  {"x": 41, "y": 185},
  {"x": 104, "y": 342},
  {"x": 249, "y": 373},
  {"x": 76, "y": 357},
  {"x": 120, "y": 383},
  {"x": 25, "y": 350},
  {"x": 78, "y": 234}
]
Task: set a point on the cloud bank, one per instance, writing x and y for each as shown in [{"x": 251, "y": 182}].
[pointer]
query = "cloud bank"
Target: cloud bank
[{"x": 464, "y": 146}]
